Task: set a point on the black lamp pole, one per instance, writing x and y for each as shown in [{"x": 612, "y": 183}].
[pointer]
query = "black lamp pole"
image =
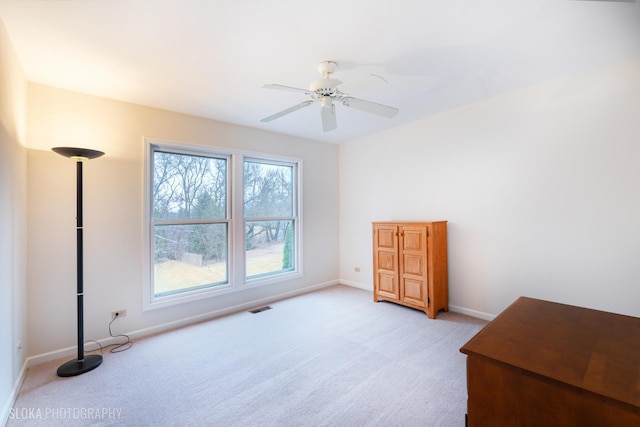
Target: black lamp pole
[{"x": 83, "y": 363}]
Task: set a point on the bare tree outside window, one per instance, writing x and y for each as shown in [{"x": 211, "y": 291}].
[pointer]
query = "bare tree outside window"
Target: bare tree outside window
[
  {"x": 192, "y": 228},
  {"x": 190, "y": 222}
]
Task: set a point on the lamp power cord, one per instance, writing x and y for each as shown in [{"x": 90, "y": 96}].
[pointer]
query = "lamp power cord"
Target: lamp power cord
[{"x": 116, "y": 347}]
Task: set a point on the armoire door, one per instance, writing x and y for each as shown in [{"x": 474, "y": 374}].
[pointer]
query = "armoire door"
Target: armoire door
[
  {"x": 413, "y": 265},
  {"x": 385, "y": 261}
]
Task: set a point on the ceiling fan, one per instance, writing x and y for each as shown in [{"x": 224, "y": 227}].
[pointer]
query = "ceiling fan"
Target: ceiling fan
[{"x": 328, "y": 90}]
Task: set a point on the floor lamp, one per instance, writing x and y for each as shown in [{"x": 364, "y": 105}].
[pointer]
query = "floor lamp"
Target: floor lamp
[{"x": 83, "y": 363}]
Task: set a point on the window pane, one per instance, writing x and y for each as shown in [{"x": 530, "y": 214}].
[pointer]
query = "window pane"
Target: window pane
[
  {"x": 269, "y": 247},
  {"x": 188, "y": 187},
  {"x": 268, "y": 190},
  {"x": 189, "y": 257}
]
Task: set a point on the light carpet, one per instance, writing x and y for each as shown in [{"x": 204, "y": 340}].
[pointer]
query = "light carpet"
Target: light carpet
[{"x": 331, "y": 357}]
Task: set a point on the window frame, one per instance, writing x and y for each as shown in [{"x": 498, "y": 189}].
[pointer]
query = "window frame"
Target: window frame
[{"x": 236, "y": 262}]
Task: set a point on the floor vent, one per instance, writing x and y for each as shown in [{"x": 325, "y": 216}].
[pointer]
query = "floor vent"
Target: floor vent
[{"x": 260, "y": 309}]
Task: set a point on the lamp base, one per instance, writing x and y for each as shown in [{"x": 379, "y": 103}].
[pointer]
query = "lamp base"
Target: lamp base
[{"x": 77, "y": 367}]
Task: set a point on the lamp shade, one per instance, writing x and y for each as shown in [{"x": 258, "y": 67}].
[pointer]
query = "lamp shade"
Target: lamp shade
[{"x": 78, "y": 153}]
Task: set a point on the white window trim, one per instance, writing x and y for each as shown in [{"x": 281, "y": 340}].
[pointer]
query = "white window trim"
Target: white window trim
[{"x": 237, "y": 282}]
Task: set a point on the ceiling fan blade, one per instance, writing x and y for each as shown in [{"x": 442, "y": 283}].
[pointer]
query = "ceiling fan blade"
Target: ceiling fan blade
[
  {"x": 361, "y": 83},
  {"x": 329, "y": 118},
  {"x": 289, "y": 88},
  {"x": 370, "y": 107},
  {"x": 287, "y": 111}
]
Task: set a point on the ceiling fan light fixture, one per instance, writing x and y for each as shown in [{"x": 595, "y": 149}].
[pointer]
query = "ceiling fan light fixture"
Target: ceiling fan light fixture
[{"x": 326, "y": 102}]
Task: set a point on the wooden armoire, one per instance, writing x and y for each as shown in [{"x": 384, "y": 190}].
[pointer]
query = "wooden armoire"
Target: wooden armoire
[{"x": 410, "y": 265}]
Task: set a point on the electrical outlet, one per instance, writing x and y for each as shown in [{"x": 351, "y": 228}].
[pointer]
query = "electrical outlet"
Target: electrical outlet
[{"x": 118, "y": 313}]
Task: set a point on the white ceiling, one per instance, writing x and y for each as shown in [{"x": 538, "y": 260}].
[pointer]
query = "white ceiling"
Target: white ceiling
[{"x": 209, "y": 58}]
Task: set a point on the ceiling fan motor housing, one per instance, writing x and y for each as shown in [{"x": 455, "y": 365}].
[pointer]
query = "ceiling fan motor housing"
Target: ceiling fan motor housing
[{"x": 325, "y": 87}]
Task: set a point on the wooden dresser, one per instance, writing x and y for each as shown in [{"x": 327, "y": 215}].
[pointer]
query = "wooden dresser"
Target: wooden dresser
[
  {"x": 410, "y": 265},
  {"x": 541, "y": 363}
]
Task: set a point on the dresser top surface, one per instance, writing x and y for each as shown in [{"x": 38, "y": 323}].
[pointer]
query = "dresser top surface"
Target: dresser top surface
[{"x": 589, "y": 349}]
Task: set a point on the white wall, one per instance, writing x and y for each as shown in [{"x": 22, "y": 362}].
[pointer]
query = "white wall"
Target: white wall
[
  {"x": 541, "y": 188},
  {"x": 113, "y": 212},
  {"x": 13, "y": 232}
]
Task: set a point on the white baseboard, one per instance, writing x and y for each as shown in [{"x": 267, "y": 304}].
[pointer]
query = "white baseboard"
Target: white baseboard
[
  {"x": 472, "y": 313},
  {"x": 455, "y": 308},
  {"x": 69, "y": 351},
  {"x": 6, "y": 410},
  {"x": 357, "y": 285}
]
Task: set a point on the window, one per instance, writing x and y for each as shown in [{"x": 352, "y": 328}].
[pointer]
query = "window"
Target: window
[
  {"x": 207, "y": 236},
  {"x": 269, "y": 218}
]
